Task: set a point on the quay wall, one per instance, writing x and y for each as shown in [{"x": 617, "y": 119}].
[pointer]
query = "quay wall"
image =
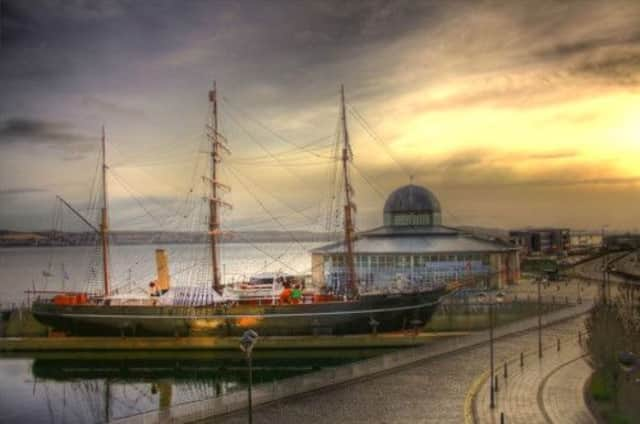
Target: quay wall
[{"x": 42, "y": 344}]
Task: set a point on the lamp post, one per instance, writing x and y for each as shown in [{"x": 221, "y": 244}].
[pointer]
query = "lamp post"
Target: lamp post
[
  {"x": 539, "y": 280},
  {"x": 579, "y": 299},
  {"x": 605, "y": 265},
  {"x": 247, "y": 342},
  {"x": 492, "y": 300}
]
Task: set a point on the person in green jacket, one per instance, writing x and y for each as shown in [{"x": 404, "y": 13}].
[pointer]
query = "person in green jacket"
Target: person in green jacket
[{"x": 296, "y": 294}]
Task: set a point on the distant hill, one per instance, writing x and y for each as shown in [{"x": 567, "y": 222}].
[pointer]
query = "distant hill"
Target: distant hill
[{"x": 56, "y": 238}]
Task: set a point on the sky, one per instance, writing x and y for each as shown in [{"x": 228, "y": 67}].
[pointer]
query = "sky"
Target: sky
[{"x": 514, "y": 113}]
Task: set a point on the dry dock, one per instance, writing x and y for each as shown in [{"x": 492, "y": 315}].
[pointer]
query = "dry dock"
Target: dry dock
[{"x": 273, "y": 393}]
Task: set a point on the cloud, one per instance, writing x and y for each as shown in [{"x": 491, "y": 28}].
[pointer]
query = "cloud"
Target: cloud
[
  {"x": 485, "y": 169},
  {"x": 561, "y": 154},
  {"x": 55, "y": 135},
  {"x": 27, "y": 130},
  {"x": 623, "y": 67},
  {"x": 577, "y": 182},
  {"x": 467, "y": 159},
  {"x": 588, "y": 45},
  {"x": 435, "y": 78},
  {"x": 20, "y": 191},
  {"x": 112, "y": 107}
]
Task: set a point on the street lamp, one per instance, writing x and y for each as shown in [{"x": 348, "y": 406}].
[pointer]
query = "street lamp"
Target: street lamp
[
  {"x": 247, "y": 342},
  {"x": 607, "y": 269},
  {"x": 579, "y": 299},
  {"x": 611, "y": 269},
  {"x": 539, "y": 317},
  {"x": 605, "y": 266},
  {"x": 499, "y": 297}
]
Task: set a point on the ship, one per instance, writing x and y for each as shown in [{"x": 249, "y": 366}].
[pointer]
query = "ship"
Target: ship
[{"x": 270, "y": 304}]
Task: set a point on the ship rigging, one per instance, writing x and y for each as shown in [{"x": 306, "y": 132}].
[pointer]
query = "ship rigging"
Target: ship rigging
[{"x": 288, "y": 307}]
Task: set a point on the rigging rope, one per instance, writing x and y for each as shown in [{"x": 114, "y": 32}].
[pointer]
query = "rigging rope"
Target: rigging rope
[
  {"x": 265, "y": 127},
  {"x": 370, "y": 131},
  {"x": 267, "y": 211}
]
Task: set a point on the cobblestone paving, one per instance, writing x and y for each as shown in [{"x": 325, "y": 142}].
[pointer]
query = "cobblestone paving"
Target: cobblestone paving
[
  {"x": 563, "y": 397},
  {"x": 431, "y": 392},
  {"x": 547, "y": 390}
]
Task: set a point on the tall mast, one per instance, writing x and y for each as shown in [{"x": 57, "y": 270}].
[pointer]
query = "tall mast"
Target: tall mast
[
  {"x": 349, "y": 207},
  {"x": 104, "y": 224},
  {"x": 217, "y": 146}
]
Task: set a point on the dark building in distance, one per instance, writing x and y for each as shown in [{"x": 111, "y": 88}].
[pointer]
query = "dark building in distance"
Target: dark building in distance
[
  {"x": 542, "y": 241},
  {"x": 622, "y": 241}
]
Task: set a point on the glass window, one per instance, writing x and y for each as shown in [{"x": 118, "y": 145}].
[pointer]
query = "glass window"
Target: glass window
[{"x": 388, "y": 261}]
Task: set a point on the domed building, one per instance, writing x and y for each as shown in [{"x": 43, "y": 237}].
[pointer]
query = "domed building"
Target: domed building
[
  {"x": 412, "y": 247},
  {"x": 412, "y": 205}
]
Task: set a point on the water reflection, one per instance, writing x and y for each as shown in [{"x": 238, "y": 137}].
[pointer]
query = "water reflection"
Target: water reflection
[{"x": 97, "y": 387}]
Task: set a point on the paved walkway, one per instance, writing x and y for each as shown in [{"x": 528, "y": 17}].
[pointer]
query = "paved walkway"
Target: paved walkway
[
  {"x": 433, "y": 391},
  {"x": 547, "y": 390},
  {"x": 563, "y": 394}
]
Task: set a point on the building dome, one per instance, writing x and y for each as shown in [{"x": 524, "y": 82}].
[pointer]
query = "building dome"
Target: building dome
[{"x": 412, "y": 205}]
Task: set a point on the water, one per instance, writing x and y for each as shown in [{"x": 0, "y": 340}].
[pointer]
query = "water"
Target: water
[
  {"x": 133, "y": 266},
  {"x": 94, "y": 387},
  {"x": 88, "y": 387}
]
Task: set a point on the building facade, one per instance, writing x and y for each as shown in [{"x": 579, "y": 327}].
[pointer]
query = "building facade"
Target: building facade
[
  {"x": 413, "y": 249},
  {"x": 585, "y": 241}
]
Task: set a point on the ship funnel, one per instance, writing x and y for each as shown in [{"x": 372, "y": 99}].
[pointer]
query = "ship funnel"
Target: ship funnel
[{"x": 162, "y": 268}]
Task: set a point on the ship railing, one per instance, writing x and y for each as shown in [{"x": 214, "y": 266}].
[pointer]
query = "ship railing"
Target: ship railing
[{"x": 386, "y": 282}]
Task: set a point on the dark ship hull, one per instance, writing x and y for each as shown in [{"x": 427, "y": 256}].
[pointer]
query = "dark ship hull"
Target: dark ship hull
[{"x": 379, "y": 312}]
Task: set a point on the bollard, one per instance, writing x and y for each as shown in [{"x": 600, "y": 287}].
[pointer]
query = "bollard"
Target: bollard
[
  {"x": 558, "y": 344},
  {"x": 553, "y": 300},
  {"x": 521, "y": 359},
  {"x": 495, "y": 386},
  {"x": 502, "y": 418},
  {"x": 505, "y": 370},
  {"x": 579, "y": 337}
]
